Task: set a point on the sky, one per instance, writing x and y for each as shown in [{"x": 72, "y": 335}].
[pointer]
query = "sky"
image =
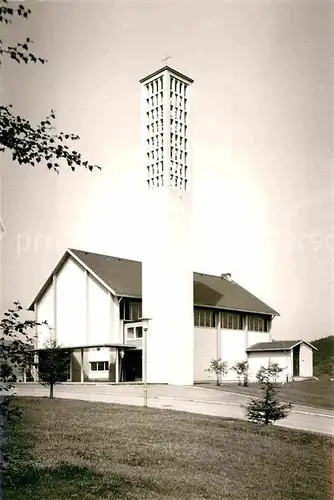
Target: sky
[{"x": 262, "y": 136}]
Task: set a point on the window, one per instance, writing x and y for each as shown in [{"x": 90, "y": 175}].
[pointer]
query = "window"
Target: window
[
  {"x": 232, "y": 321},
  {"x": 131, "y": 310},
  {"x": 204, "y": 318},
  {"x": 134, "y": 332},
  {"x": 134, "y": 311},
  {"x": 99, "y": 366},
  {"x": 130, "y": 333},
  {"x": 258, "y": 323}
]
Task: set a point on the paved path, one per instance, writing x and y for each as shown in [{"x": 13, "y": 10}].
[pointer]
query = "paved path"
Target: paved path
[{"x": 182, "y": 398}]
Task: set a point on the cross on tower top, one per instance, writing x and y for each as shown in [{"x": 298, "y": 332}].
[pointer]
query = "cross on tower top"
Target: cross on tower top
[{"x": 165, "y": 59}]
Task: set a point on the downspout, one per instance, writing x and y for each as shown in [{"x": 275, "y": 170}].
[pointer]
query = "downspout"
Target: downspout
[
  {"x": 119, "y": 367},
  {"x": 119, "y": 312}
]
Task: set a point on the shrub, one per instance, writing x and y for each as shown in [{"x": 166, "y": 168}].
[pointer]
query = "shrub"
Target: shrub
[
  {"x": 267, "y": 409},
  {"x": 219, "y": 368},
  {"x": 242, "y": 370}
]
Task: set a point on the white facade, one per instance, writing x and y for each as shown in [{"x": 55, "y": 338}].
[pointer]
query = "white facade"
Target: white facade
[
  {"x": 255, "y": 337},
  {"x": 285, "y": 359},
  {"x": 282, "y": 358},
  {"x": 206, "y": 347},
  {"x": 70, "y": 305},
  {"x": 86, "y": 312},
  {"x": 227, "y": 344},
  {"x": 167, "y": 275},
  {"x": 83, "y": 313},
  {"x": 44, "y": 311}
]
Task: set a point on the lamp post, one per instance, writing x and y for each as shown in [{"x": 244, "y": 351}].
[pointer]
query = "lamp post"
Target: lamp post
[
  {"x": 120, "y": 368},
  {"x": 144, "y": 322}
]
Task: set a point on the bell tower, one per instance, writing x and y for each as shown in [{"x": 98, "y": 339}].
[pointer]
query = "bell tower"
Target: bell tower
[
  {"x": 165, "y": 105},
  {"x": 167, "y": 275}
]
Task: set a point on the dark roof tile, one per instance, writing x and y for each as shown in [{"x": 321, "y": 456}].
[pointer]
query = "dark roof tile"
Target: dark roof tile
[
  {"x": 123, "y": 276},
  {"x": 276, "y": 345}
]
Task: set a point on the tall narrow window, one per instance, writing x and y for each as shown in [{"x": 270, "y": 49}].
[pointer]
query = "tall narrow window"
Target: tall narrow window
[
  {"x": 232, "y": 321},
  {"x": 258, "y": 323},
  {"x": 204, "y": 318}
]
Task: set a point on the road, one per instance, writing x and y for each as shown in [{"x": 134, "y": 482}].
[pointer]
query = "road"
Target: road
[{"x": 182, "y": 398}]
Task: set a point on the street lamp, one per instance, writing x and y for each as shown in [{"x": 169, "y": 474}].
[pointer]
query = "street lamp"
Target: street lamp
[
  {"x": 120, "y": 368},
  {"x": 144, "y": 323}
]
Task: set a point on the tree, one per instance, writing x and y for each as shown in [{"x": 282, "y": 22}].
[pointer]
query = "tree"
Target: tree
[
  {"x": 26, "y": 143},
  {"x": 267, "y": 409},
  {"x": 6, "y": 372},
  {"x": 16, "y": 344},
  {"x": 15, "y": 351},
  {"x": 219, "y": 368},
  {"x": 52, "y": 365},
  {"x": 323, "y": 357},
  {"x": 242, "y": 370}
]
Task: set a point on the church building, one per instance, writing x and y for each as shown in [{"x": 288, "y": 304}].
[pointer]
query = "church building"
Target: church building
[{"x": 125, "y": 320}]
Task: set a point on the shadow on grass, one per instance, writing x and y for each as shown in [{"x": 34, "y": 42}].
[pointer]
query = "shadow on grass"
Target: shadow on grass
[{"x": 69, "y": 481}]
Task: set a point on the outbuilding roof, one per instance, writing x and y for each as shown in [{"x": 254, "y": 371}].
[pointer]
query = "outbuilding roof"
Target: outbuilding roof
[
  {"x": 123, "y": 278},
  {"x": 278, "y": 345}
]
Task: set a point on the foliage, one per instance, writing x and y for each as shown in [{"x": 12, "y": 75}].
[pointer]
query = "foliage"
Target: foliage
[
  {"x": 15, "y": 351},
  {"x": 26, "y": 143},
  {"x": 267, "y": 409},
  {"x": 270, "y": 374},
  {"x": 15, "y": 344},
  {"x": 219, "y": 368},
  {"x": 242, "y": 370},
  {"x": 323, "y": 358},
  {"x": 52, "y": 365},
  {"x": 6, "y": 371}
]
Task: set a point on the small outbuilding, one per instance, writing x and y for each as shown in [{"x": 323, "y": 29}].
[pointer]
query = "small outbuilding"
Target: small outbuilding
[{"x": 295, "y": 357}]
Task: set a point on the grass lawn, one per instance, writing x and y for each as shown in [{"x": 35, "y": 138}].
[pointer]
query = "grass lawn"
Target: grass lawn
[
  {"x": 65, "y": 449},
  {"x": 316, "y": 393}
]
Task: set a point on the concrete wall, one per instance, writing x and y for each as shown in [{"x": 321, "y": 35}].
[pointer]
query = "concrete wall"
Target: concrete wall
[
  {"x": 205, "y": 349},
  {"x": 99, "y": 313},
  {"x": 233, "y": 345},
  {"x": 255, "y": 337},
  {"x": 86, "y": 313},
  {"x": 45, "y": 312},
  {"x": 167, "y": 287},
  {"x": 258, "y": 359},
  {"x": 305, "y": 361},
  {"x": 71, "y": 305}
]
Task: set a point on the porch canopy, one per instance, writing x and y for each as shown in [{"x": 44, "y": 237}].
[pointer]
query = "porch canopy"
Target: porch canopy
[{"x": 119, "y": 349}]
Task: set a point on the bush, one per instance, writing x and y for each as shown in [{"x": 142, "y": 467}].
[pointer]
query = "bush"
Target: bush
[
  {"x": 242, "y": 370},
  {"x": 219, "y": 368}
]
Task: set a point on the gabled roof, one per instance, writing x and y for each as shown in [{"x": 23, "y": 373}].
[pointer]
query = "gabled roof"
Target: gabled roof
[
  {"x": 122, "y": 277},
  {"x": 214, "y": 291},
  {"x": 278, "y": 345}
]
